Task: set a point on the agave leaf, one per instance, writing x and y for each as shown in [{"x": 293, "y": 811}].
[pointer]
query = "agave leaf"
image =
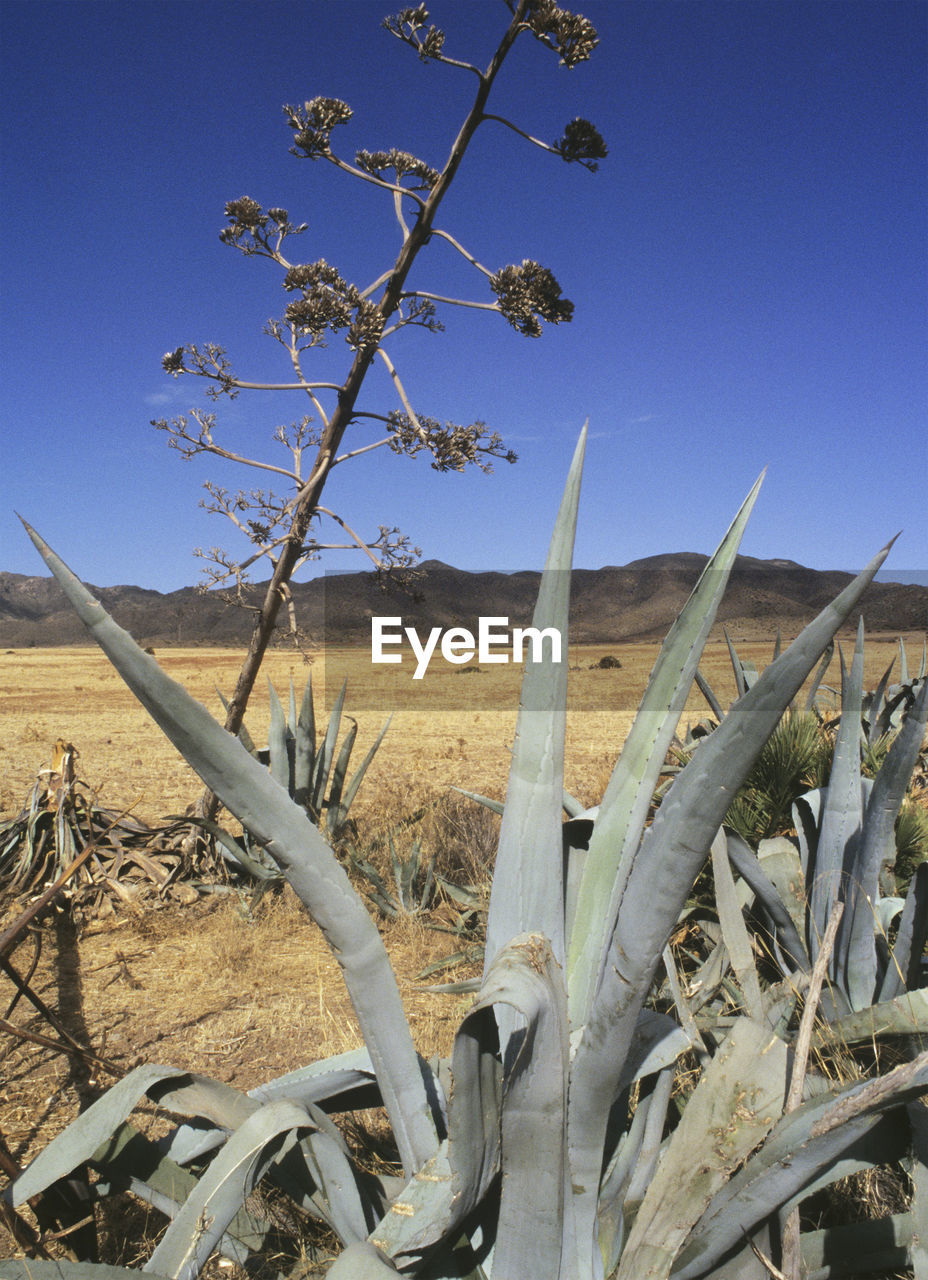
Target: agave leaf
[
  {"x": 519, "y": 1113},
  {"x": 624, "y": 807},
  {"x": 349, "y": 1077},
  {"x": 839, "y": 827},
  {"x": 326, "y": 752},
  {"x": 218, "y": 1108},
  {"x": 495, "y": 806},
  {"x": 88, "y": 1132},
  {"x": 534, "y": 1111},
  {"x": 803, "y": 1146},
  {"x": 336, "y": 812},
  {"x": 807, "y": 810},
  {"x": 239, "y": 1166},
  {"x": 337, "y": 1195},
  {"x": 741, "y": 686},
  {"x": 918, "y": 1118},
  {"x": 60, "y": 1269},
  {"x": 634, "y": 1159},
  {"x": 754, "y": 871},
  {"x": 672, "y": 852},
  {"x": 887, "y": 1141},
  {"x": 732, "y": 1109},
  {"x": 734, "y": 930},
  {"x": 279, "y": 743},
  {"x": 708, "y": 693},
  {"x": 437, "y": 1201},
  {"x": 320, "y": 1162},
  {"x": 657, "y": 1042},
  {"x": 904, "y": 967},
  {"x": 135, "y": 1163},
  {"x": 304, "y": 747},
  {"x": 199, "y": 1095},
  {"x": 229, "y": 847},
  {"x": 684, "y": 1012},
  {"x": 878, "y": 1247},
  {"x": 819, "y": 676},
  {"x": 874, "y": 704},
  {"x": 858, "y": 953},
  {"x": 906, "y": 1015},
  {"x": 528, "y": 890},
  {"x": 361, "y": 1261},
  {"x": 358, "y": 776},
  {"x": 571, "y": 805},
  {"x": 248, "y": 792},
  {"x": 642, "y": 1174}
]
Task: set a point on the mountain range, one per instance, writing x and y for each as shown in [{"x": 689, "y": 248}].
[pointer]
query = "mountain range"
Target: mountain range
[{"x": 636, "y": 601}]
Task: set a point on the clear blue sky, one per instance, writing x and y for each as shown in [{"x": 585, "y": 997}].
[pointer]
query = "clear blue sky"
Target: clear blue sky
[{"x": 748, "y": 269}]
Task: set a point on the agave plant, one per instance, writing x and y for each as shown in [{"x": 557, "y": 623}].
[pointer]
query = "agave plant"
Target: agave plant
[
  {"x": 846, "y": 841},
  {"x": 523, "y": 1155},
  {"x": 884, "y": 708},
  {"x": 62, "y": 820},
  {"x": 309, "y": 771}
]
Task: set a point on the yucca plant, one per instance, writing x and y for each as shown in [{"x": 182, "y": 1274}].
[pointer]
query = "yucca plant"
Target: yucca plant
[{"x": 523, "y": 1155}]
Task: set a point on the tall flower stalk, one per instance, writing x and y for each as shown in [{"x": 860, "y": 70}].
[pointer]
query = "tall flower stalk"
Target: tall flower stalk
[{"x": 280, "y": 529}]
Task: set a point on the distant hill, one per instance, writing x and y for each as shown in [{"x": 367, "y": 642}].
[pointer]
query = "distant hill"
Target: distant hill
[{"x": 633, "y": 601}]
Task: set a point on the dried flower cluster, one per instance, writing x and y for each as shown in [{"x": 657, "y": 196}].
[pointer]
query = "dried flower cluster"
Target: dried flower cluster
[
  {"x": 329, "y": 302},
  {"x": 571, "y": 35},
  {"x": 209, "y": 361},
  {"x": 313, "y": 123},
  {"x": 581, "y": 143},
  {"x": 250, "y": 229},
  {"x": 452, "y": 447},
  {"x": 401, "y": 162},
  {"x": 408, "y": 26},
  {"x": 527, "y": 295}
]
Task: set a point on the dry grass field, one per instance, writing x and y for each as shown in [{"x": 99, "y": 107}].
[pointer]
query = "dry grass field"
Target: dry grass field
[
  {"x": 210, "y": 986},
  {"x": 74, "y": 693}
]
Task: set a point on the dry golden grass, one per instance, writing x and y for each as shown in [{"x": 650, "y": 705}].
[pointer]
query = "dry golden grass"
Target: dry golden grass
[{"x": 75, "y": 694}]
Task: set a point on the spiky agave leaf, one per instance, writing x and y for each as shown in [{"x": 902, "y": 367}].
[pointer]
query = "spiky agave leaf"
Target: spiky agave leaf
[
  {"x": 258, "y": 1143},
  {"x": 856, "y": 950},
  {"x": 803, "y": 1146},
  {"x": 88, "y": 1133},
  {"x": 40, "y": 1269},
  {"x": 732, "y": 1109},
  {"x": 624, "y": 807},
  {"x": 326, "y": 753},
  {"x": 527, "y": 893},
  {"x": 671, "y": 854},
  {"x": 279, "y": 743},
  {"x": 265, "y": 809},
  {"x": 500, "y": 1119},
  {"x": 842, "y": 811},
  {"x": 304, "y": 746}
]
